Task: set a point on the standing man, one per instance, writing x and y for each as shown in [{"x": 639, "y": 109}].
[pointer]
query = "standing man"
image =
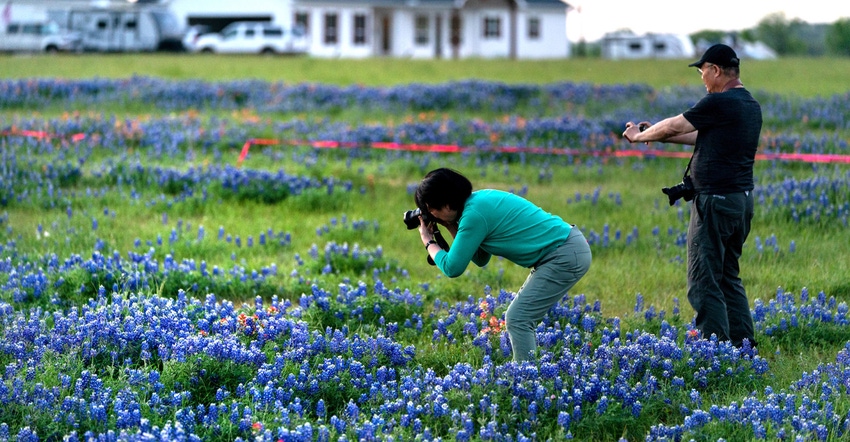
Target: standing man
[{"x": 724, "y": 127}]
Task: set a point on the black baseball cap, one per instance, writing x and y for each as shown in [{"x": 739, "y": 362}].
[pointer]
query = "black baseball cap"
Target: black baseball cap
[{"x": 719, "y": 54}]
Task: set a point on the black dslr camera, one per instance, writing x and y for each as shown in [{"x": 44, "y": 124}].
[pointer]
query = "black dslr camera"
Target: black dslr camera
[
  {"x": 411, "y": 218},
  {"x": 685, "y": 190}
]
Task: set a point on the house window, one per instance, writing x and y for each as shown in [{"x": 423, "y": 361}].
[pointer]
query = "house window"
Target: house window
[
  {"x": 359, "y": 29},
  {"x": 534, "y": 28},
  {"x": 659, "y": 46},
  {"x": 421, "y": 35},
  {"x": 492, "y": 27},
  {"x": 302, "y": 20},
  {"x": 331, "y": 29},
  {"x": 635, "y": 46}
]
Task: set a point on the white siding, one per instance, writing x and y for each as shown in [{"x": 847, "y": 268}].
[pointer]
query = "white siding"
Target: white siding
[
  {"x": 552, "y": 42},
  {"x": 404, "y": 35},
  {"x": 279, "y": 10},
  {"x": 490, "y": 46}
]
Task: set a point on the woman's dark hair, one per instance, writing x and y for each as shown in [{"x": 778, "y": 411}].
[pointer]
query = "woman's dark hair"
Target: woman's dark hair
[{"x": 443, "y": 187}]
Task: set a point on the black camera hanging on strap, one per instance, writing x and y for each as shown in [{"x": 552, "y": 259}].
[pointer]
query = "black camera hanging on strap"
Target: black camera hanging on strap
[{"x": 685, "y": 189}]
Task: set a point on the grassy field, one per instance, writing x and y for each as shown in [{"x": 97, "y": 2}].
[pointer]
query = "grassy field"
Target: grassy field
[
  {"x": 134, "y": 191},
  {"x": 623, "y": 279},
  {"x": 805, "y": 77}
]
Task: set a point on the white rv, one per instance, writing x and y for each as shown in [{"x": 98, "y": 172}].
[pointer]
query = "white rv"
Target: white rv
[
  {"x": 130, "y": 28},
  {"x": 623, "y": 45},
  {"x": 103, "y": 26},
  {"x": 126, "y": 29}
]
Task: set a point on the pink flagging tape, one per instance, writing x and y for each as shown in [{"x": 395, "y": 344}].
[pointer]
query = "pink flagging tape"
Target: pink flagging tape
[
  {"x": 806, "y": 157},
  {"x": 38, "y": 134},
  {"x": 451, "y": 148}
]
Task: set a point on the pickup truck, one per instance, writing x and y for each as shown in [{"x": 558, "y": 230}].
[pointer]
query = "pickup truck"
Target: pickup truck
[{"x": 252, "y": 38}]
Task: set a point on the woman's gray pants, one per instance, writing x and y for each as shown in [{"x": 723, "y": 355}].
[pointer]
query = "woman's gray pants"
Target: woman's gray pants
[{"x": 549, "y": 280}]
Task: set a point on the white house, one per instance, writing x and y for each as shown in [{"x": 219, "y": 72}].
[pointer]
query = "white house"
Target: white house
[
  {"x": 626, "y": 45},
  {"x": 403, "y": 28}
]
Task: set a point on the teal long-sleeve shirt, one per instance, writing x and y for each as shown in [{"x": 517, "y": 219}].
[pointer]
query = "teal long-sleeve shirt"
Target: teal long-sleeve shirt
[{"x": 494, "y": 222}]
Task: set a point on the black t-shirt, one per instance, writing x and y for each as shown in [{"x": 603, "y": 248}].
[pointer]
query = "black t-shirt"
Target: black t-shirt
[{"x": 729, "y": 125}]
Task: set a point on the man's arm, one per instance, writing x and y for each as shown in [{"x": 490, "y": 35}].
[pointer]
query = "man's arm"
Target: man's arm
[{"x": 670, "y": 130}]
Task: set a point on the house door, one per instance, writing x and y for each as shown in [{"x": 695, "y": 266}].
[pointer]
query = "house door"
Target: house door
[
  {"x": 456, "y": 32},
  {"x": 438, "y": 39},
  {"x": 386, "y": 35}
]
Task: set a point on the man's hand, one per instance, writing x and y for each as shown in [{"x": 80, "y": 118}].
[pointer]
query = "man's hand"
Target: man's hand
[{"x": 633, "y": 130}]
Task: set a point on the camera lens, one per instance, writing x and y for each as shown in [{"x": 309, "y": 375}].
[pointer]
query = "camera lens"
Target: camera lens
[{"x": 411, "y": 219}]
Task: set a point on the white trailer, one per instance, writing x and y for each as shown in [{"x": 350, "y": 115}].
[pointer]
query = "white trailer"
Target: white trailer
[
  {"x": 104, "y": 26},
  {"x": 623, "y": 45},
  {"x": 125, "y": 29}
]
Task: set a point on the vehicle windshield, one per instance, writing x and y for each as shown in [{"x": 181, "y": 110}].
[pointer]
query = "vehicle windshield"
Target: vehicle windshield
[{"x": 50, "y": 28}]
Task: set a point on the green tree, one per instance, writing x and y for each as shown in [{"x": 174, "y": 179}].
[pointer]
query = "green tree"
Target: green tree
[
  {"x": 711, "y": 36},
  {"x": 776, "y": 31},
  {"x": 838, "y": 37}
]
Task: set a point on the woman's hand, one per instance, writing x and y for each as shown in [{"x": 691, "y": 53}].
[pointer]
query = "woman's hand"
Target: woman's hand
[{"x": 426, "y": 231}]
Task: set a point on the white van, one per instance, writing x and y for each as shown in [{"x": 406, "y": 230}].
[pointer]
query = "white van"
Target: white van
[
  {"x": 38, "y": 37},
  {"x": 253, "y": 38}
]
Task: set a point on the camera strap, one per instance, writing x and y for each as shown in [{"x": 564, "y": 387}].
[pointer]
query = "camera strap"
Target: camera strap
[{"x": 688, "y": 169}]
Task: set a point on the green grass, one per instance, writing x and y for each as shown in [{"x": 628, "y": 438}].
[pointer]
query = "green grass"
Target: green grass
[
  {"x": 652, "y": 265},
  {"x": 805, "y": 77}
]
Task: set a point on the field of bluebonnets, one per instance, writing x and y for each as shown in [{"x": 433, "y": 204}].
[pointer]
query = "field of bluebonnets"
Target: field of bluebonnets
[{"x": 201, "y": 260}]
